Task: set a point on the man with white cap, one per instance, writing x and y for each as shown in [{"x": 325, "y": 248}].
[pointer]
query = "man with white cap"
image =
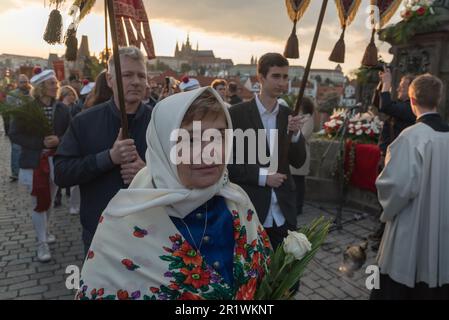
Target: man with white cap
[
  {"x": 38, "y": 127},
  {"x": 189, "y": 84}
]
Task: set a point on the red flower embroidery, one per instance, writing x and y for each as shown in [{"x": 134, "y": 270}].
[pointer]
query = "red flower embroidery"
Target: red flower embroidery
[
  {"x": 100, "y": 292},
  {"x": 93, "y": 292},
  {"x": 139, "y": 233},
  {"x": 169, "y": 250},
  {"x": 188, "y": 254},
  {"x": 189, "y": 296},
  {"x": 122, "y": 295},
  {"x": 154, "y": 290},
  {"x": 90, "y": 255},
  {"x": 176, "y": 238},
  {"x": 250, "y": 215},
  {"x": 129, "y": 265},
  {"x": 196, "y": 277},
  {"x": 247, "y": 291},
  {"x": 264, "y": 236},
  {"x": 174, "y": 286}
]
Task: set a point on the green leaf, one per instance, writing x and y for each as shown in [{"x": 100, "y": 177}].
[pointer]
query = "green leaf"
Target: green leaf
[
  {"x": 176, "y": 265},
  {"x": 170, "y": 258}
]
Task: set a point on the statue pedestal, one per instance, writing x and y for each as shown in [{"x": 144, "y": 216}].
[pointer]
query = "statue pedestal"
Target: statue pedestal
[{"x": 322, "y": 185}]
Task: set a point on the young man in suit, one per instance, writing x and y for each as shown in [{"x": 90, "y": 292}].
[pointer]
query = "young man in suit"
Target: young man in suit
[{"x": 272, "y": 193}]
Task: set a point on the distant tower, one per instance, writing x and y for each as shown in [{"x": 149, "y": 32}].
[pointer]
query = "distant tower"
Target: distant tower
[
  {"x": 188, "y": 46},
  {"x": 197, "y": 46},
  {"x": 177, "y": 49},
  {"x": 256, "y": 60},
  {"x": 252, "y": 60},
  {"x": 83, "y": 50}
]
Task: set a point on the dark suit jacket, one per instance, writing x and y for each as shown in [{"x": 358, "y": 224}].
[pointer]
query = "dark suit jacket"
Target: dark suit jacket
[
  {"x": 401, "y": 117},
  {"x": 246, "y": 116}
]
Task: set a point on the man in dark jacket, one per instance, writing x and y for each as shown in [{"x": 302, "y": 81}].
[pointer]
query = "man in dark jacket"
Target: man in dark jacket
[
  {"x": 38, "y": 146},
  {"x": 399, "y": 111},
  {"x": 233, "y": 96},
  {"x": 93, "y": 153},
  {"x": 17, "y": 98},
  {"x": 272, "y": 193},
  {"x": 400, "y": 117}
]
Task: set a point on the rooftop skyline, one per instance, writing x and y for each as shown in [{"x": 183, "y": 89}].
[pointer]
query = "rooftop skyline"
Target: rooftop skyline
[{"x": 233, "y": 29}]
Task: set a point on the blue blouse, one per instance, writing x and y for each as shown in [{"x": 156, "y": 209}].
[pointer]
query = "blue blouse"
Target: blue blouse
[{"x": 218, "y": 242}]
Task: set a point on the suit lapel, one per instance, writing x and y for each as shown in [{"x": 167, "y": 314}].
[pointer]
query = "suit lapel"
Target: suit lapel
[
  {"x": 255, "y": 116},
  {"x": 281, "y": 123}
]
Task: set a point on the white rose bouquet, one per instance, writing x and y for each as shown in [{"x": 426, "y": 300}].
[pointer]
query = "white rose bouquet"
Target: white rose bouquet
[{"x": 289, "y": 261}]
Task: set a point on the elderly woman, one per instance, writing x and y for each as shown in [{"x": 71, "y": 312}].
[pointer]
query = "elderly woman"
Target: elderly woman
[
  {"x": 182, "y": 230},
  {"x": 38, "y": 128}
]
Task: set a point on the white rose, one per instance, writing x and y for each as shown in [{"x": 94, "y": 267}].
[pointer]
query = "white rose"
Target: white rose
[
  {"x": 359, "y": 132},
  {"x": 297, "y": 244}
]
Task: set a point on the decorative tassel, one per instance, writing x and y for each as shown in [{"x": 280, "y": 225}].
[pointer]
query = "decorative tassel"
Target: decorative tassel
[
  {"x": 338, "y": 54},
  {"x": 71, "y": 42},
  {"x": 53, "y": 32},
  {"x": 370, "y": 58},
  {"x": 292, "y": 47}
]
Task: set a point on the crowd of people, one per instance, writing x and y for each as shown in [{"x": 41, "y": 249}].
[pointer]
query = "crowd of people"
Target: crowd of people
[{"x": 155, "y": 229}]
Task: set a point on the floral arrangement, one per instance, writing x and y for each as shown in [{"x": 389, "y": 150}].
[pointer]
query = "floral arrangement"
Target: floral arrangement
[
  {"x": 363, "y": 127},
  {"x": 336, "y": 121},
  {"x": 417, "y": 8},
  {"x": 418, "y": 16},
  {"x": 290, "y": 260}
]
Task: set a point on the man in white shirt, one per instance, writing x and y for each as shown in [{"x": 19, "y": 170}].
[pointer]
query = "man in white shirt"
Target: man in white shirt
[{"x": 272, "y": 193}]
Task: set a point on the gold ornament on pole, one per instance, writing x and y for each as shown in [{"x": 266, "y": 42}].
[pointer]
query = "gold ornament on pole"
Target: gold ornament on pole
[
  {"x": 295, "y": 9},
  {"x": 347, "y": 10}
]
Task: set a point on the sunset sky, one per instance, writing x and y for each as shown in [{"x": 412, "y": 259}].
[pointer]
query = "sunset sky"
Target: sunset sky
[{"x": 234, "y": 29}]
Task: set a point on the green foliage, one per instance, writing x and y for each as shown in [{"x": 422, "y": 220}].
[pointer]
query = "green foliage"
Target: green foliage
[
  {"x": 285, "y": 270},
  {"x": 404, "y": 30},
  {"x": 29, "y": 116}
]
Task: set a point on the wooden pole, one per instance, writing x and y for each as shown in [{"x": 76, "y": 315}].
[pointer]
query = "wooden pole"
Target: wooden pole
[
  {"x": 106, "y": 33},
  {"x": 284, "y": 163},
  {"x": 305, "y": 78},
  {"x": 118, "y": 69}
]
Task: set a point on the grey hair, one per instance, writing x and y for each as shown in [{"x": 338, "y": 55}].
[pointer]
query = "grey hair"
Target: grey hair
[
  {"x": 38, "y": 91},
  {"x": 131, "y": 52}
]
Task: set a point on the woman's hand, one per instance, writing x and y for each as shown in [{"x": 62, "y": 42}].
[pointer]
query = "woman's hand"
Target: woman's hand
[{"x": 51, "y": 142}]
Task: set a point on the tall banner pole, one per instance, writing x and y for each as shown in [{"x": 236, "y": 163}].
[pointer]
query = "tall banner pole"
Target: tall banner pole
[
  {"x": 311, "y": 56},
  {"x": 118, "y": 68},
  {"x": 106, "y": 29},
  {"x": 284, "y": 163}
]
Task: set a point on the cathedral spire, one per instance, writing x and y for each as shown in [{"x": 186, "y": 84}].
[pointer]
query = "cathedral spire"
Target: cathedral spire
[
  {"x": 188, "y": 46},
  {"x": 177, "y": 49}
]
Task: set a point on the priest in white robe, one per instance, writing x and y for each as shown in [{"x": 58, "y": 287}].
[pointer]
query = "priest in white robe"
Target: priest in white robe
[{"x": 413, "y": 190}]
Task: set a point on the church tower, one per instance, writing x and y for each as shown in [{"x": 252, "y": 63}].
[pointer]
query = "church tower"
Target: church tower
[{"x": 177, "y": 50}]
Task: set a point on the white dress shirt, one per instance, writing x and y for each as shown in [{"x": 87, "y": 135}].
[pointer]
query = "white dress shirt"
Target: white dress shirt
[{"x": 269, "y": 120}]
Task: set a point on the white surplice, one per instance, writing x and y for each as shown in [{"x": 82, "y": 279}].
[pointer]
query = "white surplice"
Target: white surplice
[{"x": 413, "y": 190}]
